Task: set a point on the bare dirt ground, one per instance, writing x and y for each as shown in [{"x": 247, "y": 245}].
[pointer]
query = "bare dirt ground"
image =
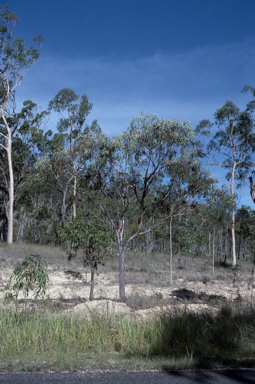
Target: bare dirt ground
[{"x": 148, "y": 287}]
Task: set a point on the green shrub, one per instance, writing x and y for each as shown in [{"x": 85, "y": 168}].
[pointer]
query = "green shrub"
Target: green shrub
[{"x": 30, "y": 275}]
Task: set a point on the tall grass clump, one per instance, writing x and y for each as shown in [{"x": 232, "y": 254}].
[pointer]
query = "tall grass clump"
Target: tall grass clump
[
  {"x": 183, "y": 339},
  {"x": 229, "y": 334},
  {"x": 69, "y": 339}
]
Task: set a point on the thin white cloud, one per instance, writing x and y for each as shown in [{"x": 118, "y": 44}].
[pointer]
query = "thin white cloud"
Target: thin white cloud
[{"x": 194, "y": 82}]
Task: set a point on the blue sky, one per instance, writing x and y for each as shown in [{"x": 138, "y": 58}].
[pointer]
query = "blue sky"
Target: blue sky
[{"x": 178, "y": 59}]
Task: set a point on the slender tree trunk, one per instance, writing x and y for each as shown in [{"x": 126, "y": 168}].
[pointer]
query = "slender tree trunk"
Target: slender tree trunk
[
  {"x": 22, "y": 224},
  {"x": 209, "y": 251},
  {"x": 63, "y": 207},
  {"x": 171, "y": 251},
  {"x": 226, "y": 243},
  {"x": 11, "y": 192},
  {"x": 239, "y": 247},
  {"x": 233, "y": 239},
  {"x": 92, "y": 282},
  {"x": 233, "y": 217},
  {"x": 74, "y": 195},
  {"x": 213, "y": 250},
  {"x": 221, "y": 243},
  {"x": 8, "y": 149},
  {"x": 122, "y": 293},
  {"x": 147, "y": 242},
  {"x": 122, "y": 254},
  {"x": 11, "y": 178}
]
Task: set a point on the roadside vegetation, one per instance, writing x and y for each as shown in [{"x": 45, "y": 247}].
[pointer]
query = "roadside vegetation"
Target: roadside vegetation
[
  {"x": 32, "y": 341},
  {"x": 39, "y": 334},
  {"x": 139, "y": 209}
]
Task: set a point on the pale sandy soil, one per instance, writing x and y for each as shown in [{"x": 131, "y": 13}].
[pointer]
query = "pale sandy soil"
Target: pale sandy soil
[
  {"x": 69, "y": 294},
  {"x": 148, "y": 289}
]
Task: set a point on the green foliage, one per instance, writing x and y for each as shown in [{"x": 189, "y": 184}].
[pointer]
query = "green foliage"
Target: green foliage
[
  {"x": 65, "y": 101},
  {"x": 15, "y": 61},
  {"x": 153, "y": 162},
  {"x": 234, "y": 138},
  {"x": 42, "y": 213},
  {"x": 245, "y": 228},
  {"x": 28, "y": 138},
  {"x": 30, "y": 275},
  {"x": 73, "y": 111},
  {"x": 15, "y": 58},
  {"x": 92, "y": 235},
  {"x": 251, "y": 104}
]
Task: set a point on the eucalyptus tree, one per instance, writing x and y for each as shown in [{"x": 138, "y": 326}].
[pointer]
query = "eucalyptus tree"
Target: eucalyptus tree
[
  {"x": 15, "y": 61},
  {"x": 50, "y": 170},
  {"x": 38, "y": 209},
  {"x": 250, "y": 109},
  {"x": 234, "y": 140},
  {"x": 91, "y": 233},
  {"x": 245, "y": 228},
  {"x": 71, "y": 125},
  {"x": 28, "y": 144},
  {"x": 129, "y": 168}
]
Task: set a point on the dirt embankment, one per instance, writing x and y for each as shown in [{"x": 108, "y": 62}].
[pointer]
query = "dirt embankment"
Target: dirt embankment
[{"x": 69, "y": 291}]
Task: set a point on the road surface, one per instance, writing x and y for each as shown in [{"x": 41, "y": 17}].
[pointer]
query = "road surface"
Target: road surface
[{"x": 246, "y": 376}]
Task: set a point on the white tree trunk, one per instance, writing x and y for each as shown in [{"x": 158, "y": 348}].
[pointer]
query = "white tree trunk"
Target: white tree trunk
[
  {"x": 74, "y": 195},
  {"x": 213, "y": 250},
  {"x": 171, "y": 251},
  {"x": 11, "y": 190},
  {"x": 233, "y": 217}
]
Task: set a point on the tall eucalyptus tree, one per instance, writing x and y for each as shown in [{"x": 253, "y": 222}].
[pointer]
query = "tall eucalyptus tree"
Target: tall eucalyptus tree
[
  {"x": 70, "y": 125},
  {"x": 28, "y": 144},
  {"x": 15, "y": 61},
  {"x": 234, "y": 140},
  {"x": 128, "y": 170}
]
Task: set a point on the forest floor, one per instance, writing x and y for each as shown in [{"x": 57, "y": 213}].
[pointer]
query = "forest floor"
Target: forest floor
[{"x": 148, "y": 287}]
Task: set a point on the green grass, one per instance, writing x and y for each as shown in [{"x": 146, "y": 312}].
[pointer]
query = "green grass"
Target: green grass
[
  {"x": 32, "y": 341},
  {"x": 38, "y": 338}
]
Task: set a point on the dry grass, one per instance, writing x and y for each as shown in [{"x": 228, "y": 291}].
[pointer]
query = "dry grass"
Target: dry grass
[{"x": 129, "y": 341}]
